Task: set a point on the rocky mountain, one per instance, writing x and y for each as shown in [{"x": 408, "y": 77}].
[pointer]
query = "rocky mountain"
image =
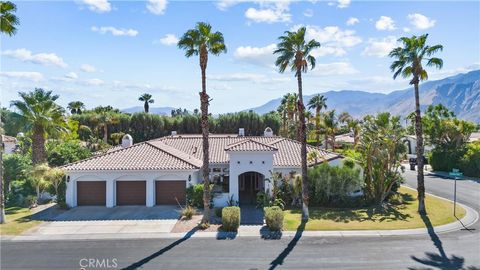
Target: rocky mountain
[{"x": 460, "y": 93}]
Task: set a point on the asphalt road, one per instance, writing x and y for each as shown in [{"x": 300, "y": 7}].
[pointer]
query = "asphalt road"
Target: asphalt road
[{"x": 455, "y": 250}]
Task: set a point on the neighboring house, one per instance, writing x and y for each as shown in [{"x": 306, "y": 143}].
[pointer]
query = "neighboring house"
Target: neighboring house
[
  {"x": 159, "y": 171},
  {"x": 9, "y": 144},
  {"x": 411, "y": 144},
  {"x": 475, "y": 136},
  {"x": 346, "y": 139}
]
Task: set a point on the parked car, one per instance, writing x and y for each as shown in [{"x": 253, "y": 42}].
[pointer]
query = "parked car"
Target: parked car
[{"x": 413, "y": 162}]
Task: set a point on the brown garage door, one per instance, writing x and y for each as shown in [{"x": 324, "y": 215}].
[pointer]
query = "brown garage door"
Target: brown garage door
[
  {"x": 167, "y": 191},
  {"x": 131, "y": 192},
  {"x": 91, "y": 193}
]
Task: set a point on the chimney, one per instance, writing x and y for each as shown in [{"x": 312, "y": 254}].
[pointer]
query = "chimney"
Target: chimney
[
  {"x": 268, "y": 132},
  {"x": 127, "y": 141},
  {"x": 241, "y": 132},
  {"x": 174, "y": 132}
]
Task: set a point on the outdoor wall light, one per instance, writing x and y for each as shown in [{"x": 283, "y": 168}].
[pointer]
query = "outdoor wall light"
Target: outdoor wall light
[
  {"x": 189, "y": 178},
  {"x": 263, "y": 162},
  {"x": 238, "y": 162},
  {"x": 251, "y": 162},
  {"x": 68, "y": 178}
]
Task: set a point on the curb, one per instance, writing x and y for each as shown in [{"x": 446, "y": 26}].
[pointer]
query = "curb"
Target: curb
[{"x": 469, "y": 219}]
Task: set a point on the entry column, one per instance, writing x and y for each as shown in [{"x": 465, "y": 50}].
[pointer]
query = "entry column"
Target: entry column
[
  {"x": 110, "y": 190},
  {"x": 150, "y": 192}
]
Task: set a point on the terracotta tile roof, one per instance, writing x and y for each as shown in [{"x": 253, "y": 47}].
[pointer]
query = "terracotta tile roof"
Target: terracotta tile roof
[
  {"x": 185, "y": 152},
  {"x": 141, "y": 156},
  {"x": 6, "y": 138},
  {"x": 249, "y": 145}
]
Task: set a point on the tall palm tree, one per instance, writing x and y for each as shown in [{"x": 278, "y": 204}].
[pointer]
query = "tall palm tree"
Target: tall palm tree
[
  {"x": 294, "y": 51},
  {"x": 76, "y": 107},
  {"x": 8, "y": 23},
  {"x": 103, "y": 120},
  {"x": 354, "y": 125},
  {"x": 146, "y": 98},
  {"x": 201, "y": 41},
  {"x": 331, "y": 124},
  {"x": 317, "y": 102},
  {"x": 344, "y": 117},
  {"x": 42, "y": 116},
  {"x": 408, "y": 62},
  {"x": 8, "y": 20}
]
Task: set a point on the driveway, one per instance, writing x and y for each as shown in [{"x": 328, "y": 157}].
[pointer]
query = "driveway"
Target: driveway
[{"x": 103, "y": 220}]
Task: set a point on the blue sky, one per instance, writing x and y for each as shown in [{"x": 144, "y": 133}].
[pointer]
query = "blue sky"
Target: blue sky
[{"x": 108, "y": 53}]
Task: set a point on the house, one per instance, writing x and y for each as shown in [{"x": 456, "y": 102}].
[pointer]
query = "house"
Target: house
[
  {"x": 9, "y": 144},
  {"x": 410, "y": 142},
  {"x": 159, "y": 171}
]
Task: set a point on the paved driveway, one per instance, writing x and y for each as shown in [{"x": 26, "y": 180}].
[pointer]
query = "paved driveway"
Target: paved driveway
[{"x": 102, "y": 220}]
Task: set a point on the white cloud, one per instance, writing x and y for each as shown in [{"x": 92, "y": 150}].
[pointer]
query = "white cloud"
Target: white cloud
[
  {"x": 335, "y": 68},
  {"x": 352, "y": 21},
  {"x": 262, "y": 56},
  {"x": 168, "y": 39},
  {"x": 343, "y": 3},
  {"x": 71, "y": 75},
  {"x": 270, "y": 12},
  {"x": 380, "y": 47},
  {"x": 250, "y": 77},
  {"x": 421, "y": 21},
  {"x": 385, "y": 23},
  {"x": 88, "y": 68},
  {"x": 92, "y": 82},
  {"x": 406, "y": 29},
  {"x": 332, "y": 36},
  {"x": 308, "y": 13},
  {"x": 115, "y": 31},
  {"x": 46, "y": 59},
  {"x": 24, "y": 75},
  {"x": 157, "y": 7},
  {"x": 223, "y": 5},
  {"x": 327, "y": 50},
  {"x": 99, "y": 6}
]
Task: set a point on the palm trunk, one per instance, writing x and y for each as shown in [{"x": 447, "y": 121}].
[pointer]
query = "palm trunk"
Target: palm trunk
[
  {"x": 317, "y": 124},
  {"x": 419, "y": 134},
  {"x": 2, "y": 194},
  {"x": 38, "y": 145},
  {"x": 204, "y": 99},
  {"x": 145, "y": 106},
  {"x": 333, "y": 142},
  {"x": 105, "y": 133},
  {"x": 303, "y": 152}
]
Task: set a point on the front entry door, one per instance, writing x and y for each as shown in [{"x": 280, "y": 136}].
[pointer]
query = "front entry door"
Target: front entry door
[{"x": 249, "y": 184}]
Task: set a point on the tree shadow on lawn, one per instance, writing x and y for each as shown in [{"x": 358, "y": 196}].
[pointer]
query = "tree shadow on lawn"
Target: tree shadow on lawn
[
  {"x": 140, "y": 263},
  {"x": 384, "y": 213},
  {"x": 440, "y": 260},
  {"x": 281, "y": 257}
]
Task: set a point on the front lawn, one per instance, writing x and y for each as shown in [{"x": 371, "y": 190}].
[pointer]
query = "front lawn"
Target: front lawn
[
  {"x": 18, "y": 221},
  {"x": 403, "y": 216}
]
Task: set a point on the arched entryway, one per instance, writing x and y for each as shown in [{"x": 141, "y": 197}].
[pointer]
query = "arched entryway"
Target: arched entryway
[{"x": 249, "y": 184}]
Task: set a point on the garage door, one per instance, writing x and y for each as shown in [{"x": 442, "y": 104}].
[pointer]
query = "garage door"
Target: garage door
[
  {"x": 167, "y": 191},
  {"x": 91, "y": 193},
  {"x": 131, "y": 192}
]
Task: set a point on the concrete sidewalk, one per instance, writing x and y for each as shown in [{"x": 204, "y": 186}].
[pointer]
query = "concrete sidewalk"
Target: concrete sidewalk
[{"x": 125, "y": 230}]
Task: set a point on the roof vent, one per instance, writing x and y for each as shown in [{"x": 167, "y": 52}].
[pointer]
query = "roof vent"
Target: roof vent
[
  {"x": 241, "y": 132},
  {"x": 174, "y": 132},
  {"x": 268, "y": 132},
  {"x": 127, "y": 141}
]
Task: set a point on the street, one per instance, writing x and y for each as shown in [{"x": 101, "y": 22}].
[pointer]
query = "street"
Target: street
[{"x": 455, "y": 250}]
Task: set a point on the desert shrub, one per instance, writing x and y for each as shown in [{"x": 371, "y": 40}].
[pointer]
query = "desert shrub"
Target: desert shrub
[
  {"x": 274, "y": 218},
  {"x": 218, "y": 212},
  {"x": 470, "y": 161},
  {"x": 349, "y": 162},
  {"x": 264, "y": 199},
  {"x": 30, "y": 201},
  {"x": 84, "y": 132},
  {"x": 59, "y": 154},
  {"x": 188, "y": 212},
  {"x": 203, "y": 226},
  {"x": 231, "y": 218},
  {"x": 195, "y": 195},
  {"x": 333, "y": 185},
  {"x": 445, "y": 160}
]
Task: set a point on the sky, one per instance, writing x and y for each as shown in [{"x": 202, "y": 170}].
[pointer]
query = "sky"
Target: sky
[{"x": 105, "y": 52}]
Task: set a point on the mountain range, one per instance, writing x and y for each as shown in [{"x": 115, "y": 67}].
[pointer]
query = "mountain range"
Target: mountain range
[{"x": 459, "y": 93}]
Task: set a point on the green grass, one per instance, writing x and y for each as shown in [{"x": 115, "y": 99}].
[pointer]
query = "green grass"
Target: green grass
[
  {"x": 18, "y": 221},
  {"x": 402, "y": 216}
]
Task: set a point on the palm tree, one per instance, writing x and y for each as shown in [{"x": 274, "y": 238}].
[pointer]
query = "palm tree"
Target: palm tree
[
  {"x": 344, "y": 117},
  {"x": 8, "y": 20},
  {"x": 294, "y": 51},
  {"x": 317, "y": 102},
  {"x": 76, "y": 107},
  {"x": 147, "y": 98},
  {"x": 409, "y": 59},
  {"x": 354, "y": 125},
  {"x": 43, "y": 117},
  {"x": 331, "y": 123},
  {"x": 201, "y": 41},
  {"x": 103, "y": 120}
]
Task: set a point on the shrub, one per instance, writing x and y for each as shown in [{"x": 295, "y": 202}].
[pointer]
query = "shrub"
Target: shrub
[
  {"x": 333, "y": 185},
  {"x": 218, "y": 212},
  {"x": 470, "y": 161},
  {"x": 203, "y": 226},
  {"x": 30, "y": 201},
  {"x": 265, "y": 200},
  {"x": 231, "y": 218},
  {"x": 195, "y": 195},
  {"x": 188, "y": 212},
  {"x": 274, "y": 218}
]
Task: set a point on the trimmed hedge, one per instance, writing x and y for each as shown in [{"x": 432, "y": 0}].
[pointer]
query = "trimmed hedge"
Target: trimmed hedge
[
  {"x": 231, "y": 218},
  {"x": 467, "y": 160},
  {"x": 274, "y": 218}
]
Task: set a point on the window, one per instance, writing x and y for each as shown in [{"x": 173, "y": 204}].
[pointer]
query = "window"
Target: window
[{"x": 221, "y": 181}]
